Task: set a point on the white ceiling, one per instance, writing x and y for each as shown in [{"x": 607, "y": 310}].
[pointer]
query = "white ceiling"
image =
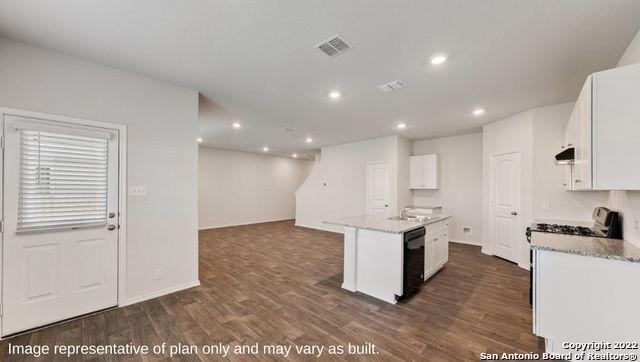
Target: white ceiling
[{"x": 255, "y": 61}]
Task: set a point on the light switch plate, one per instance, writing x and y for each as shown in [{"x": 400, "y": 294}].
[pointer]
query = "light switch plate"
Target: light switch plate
[
  {"x": 138, "y": 191},
  {"x": 546, "y": 206}
]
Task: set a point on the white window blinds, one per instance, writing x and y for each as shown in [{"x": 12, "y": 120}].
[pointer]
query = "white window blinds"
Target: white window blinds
[{"x": 63, "y": 181}]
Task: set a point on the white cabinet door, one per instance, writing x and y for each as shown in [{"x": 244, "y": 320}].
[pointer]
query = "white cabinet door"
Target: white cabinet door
[
  {"x": 616, "y": 126},
  {"x": 430, "y": 172},
  {"x": 423, "y": 172},
  {"x": 437, "y": 250},
  {"x": 445, "y": 245},
  {"x": 415, "y": 172},
  {"x": 429, "y": 257},
  {"x": 567, "y": 177},
  {"x": 582, "y": 167},
  {"x": 568, "y": 142}
]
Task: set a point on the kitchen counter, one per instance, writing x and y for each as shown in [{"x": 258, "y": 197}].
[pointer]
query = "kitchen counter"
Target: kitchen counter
[
  {"x": 588, "y": 246},
  {"x": 382, "y": 224}
]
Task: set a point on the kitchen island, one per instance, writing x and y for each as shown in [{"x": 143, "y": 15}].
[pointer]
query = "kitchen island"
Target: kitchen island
[{"x": 374, "y": 252}]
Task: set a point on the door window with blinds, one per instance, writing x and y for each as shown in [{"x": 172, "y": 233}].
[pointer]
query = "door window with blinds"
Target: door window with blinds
[{"x": 62, "y": 181}]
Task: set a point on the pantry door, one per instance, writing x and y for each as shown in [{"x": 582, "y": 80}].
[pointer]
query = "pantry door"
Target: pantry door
[
  {"x": 505, "y": 200},
  {"x": 378, "y": 188},
  {"x": 60, "y": 239}
]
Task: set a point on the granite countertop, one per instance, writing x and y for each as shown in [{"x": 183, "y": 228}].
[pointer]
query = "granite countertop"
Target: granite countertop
[
  {"x": 377, "y": 223},
  {"x": 586, "y": 245}
]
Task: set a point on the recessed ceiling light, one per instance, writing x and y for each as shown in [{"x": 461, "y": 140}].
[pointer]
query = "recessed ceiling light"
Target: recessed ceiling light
[
  {"x": 295, "y": 155},
  {"x": 236, "y": 125},
  {"x": 334, "y": 94},
  {"x": 478, "y": 112},
  {"x": 438, "y": 59},
  {"x": 199, "y": 139},
  {"x": 309, "y": 140},
  {"x": 401, "y": 125},
  {"x": 265, "y": 149}
]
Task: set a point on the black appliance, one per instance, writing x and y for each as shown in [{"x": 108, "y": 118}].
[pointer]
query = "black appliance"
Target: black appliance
[
  {"x": 566, "y": 157},
  {"x": 413, "y": 262},
  {"x": 606, "y": 224}
]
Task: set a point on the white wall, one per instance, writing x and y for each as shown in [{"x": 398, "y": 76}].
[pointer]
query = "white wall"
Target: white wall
[
  {"x": 405, "y": 151},
  {"x": 162, "y": 126},
  {"x": 337, "y": 185},
  {"x": 460, "y": 193},
  {"x": 236, "y": 188},
  {"x": 632, "y": 53},
  {"x": 511, "y": 133},
  {"x": 549, "y": 124}
]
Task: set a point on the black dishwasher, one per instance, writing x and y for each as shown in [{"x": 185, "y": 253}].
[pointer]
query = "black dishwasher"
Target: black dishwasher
[{"x": 413, "y": 262}]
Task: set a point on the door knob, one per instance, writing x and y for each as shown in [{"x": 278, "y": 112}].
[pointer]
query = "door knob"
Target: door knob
[
  {"x": 514, "y": 213},
  {"x": 111, "y": 227}
]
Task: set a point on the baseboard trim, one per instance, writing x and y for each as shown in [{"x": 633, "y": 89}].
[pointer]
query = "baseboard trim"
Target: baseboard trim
[
  {"x": 468, "y": 242},
  {"x": 241, "y": 224},
  {"x": 349, "y": 287},
  {"x": 524, "y": 266},
  {"x": 486, "y": 251},
  {"x": 159, "y": 293},
  {"x": 340, "y": 231}
]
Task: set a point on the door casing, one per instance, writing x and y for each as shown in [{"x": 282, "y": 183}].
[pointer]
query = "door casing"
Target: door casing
[{"x": 122, "y": 183}]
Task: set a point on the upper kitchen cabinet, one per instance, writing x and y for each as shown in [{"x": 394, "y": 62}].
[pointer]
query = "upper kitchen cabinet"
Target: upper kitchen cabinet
[
  {"x": 603, "y": 130},
  {"x": 581, "y": 127},
  {"x": 423, "y": 172}
]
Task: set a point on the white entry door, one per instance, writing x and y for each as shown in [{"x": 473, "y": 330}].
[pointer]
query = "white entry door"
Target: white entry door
[
  {"x": 378, "y": 188},
  {"x": 60, "y": 239},
  {"x": 506, "y": 187}
]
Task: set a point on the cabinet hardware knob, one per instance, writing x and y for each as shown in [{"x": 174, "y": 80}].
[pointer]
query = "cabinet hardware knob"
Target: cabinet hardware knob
[
  {"x": 111, "y": 227},
  {"x": 578, "y": 181},
  {"x": 514, "y": 213}
]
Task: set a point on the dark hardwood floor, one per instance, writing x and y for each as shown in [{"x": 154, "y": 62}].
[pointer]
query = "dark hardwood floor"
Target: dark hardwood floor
[{"x": 274, "y": 283}]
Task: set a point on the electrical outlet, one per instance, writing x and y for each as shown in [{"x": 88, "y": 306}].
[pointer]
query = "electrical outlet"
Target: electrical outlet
[
  {"x": 159, "y": 274},
  {"x": 138, "y": 191},
  {"x": 466, "y": 230}
]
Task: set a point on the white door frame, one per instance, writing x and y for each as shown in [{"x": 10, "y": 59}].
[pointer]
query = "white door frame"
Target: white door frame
[
  {"x": 122, "y": 182},
  {"x": 492, "y": 239},
  {"x": 369, "y": 186}
]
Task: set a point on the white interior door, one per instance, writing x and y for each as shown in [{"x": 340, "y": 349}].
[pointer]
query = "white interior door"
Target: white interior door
[
  {"x": 60, "y": 251},
  {"x": 378, "y": 188},
  {"x": 505, "y": 202}
]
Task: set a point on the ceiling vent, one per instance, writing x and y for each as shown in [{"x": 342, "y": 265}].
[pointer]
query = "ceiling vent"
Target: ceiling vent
[
  {"x": 391, "y": 86},
  {"x": 334, "y": 46}
]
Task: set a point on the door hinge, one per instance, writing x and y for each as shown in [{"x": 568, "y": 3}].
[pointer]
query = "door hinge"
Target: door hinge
[
  {"x": 1, "y": 226},
  {"x": 2, "y": 143},
  {"x": 0, "y": 310}
]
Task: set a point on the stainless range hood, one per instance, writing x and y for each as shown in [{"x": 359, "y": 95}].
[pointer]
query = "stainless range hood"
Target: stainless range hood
[{"x": 566, "y": 157}]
